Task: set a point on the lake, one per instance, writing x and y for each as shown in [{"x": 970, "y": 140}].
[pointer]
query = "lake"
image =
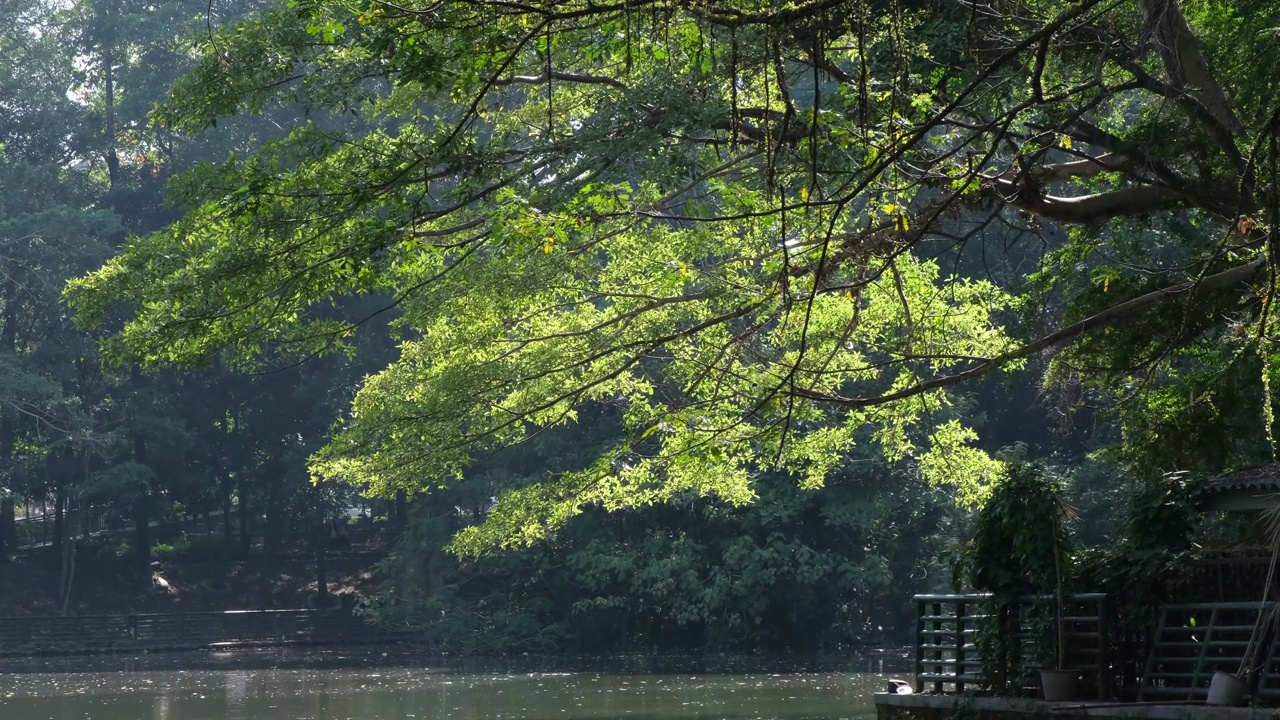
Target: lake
[{"x": 309, "y": 686}]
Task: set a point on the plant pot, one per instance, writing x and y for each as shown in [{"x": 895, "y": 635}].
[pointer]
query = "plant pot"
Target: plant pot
[
  {"x": 1058, "y": 685},
  {"x": 1227, "y": 690}
]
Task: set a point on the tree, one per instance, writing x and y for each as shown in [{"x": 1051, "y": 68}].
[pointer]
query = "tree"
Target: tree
[
  {"x": 80, "y": 165},
  {"x": 742, "y": 223},
  {"x": 796, "y": 570},
  {"x": 49, "y": 232}
]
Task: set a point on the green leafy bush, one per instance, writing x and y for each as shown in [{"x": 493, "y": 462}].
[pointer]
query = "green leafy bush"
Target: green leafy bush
[
  {"x": 1147, "y": 564},
  {"x": 177, "y": 548},
  {"x": 1021, "y": 547}
]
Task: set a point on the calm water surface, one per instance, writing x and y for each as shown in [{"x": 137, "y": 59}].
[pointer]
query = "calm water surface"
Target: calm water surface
[{"x": 249, "y": 688}]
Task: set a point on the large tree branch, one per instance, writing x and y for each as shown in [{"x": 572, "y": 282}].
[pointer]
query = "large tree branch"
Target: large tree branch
[
  {"x": 1062, "y": 172},
  {"x": 1088, "y": 208},
  {"x": 888, "y": 237},
  {"x": 1137, "y": 157},
  {"x": 1185, "y": 63},
  {"x": 561, "y": 76},
  {"x": 1225, "y": 135},
  {"x": 1129, "y": 308}
]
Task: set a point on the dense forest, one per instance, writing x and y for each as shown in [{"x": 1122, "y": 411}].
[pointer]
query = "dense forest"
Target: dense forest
[{"x": 656, "y": 324}]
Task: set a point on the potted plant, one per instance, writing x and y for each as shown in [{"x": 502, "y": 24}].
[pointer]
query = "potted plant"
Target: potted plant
[
  {"x": 1021, "y": 547},
  {"x": 1058, "y": 683}
]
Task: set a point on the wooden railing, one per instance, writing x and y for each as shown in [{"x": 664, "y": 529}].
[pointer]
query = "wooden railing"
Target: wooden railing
[
  {"x": 947, "y": 629},
  {"x": 182, "y": 631}
]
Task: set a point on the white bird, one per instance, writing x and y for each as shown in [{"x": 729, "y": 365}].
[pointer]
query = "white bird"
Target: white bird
[
  {"x": 161, "y": 582},
  {"x": 901, "y": 687}
]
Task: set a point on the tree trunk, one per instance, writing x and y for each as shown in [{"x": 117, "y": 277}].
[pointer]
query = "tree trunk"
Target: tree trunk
[
  {"x": 142, "y": 540},
  {"x": 109, "y": 89},
  {"x": 68, "y": 574},
  {"x": 227, "y": 536},
  {"x": 402, "y": 510},
  {"x": 242, "y": 491},
  {"x": 434, "y": 563},
  {"x": 142, "y": 506},
  {"x": 59, "y": 508},
  {"x": 9, "y": 335},
  {"x": 8, "y": 527},
  {"x": 271, "y": 537},
  {"x": 8, "y": 433},
  {"x": 322, "y": 580}
]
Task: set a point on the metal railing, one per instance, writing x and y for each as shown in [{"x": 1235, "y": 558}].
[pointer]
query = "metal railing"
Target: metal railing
[
  {"x": 1194, "y": 640},
  {"x": 947, "y": 640}
]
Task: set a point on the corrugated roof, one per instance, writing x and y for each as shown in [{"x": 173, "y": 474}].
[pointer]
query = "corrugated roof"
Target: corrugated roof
[{"x": 1263, "y": 478}]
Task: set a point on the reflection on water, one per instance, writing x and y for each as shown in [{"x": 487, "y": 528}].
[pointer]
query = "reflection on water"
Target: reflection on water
[
  {"x": 436, "y": 693},
  {"x": 236, "y": 685}
]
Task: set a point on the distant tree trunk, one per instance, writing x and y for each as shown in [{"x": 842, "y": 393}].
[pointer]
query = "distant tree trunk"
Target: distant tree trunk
[
  {"x": 59, "y": 511},
  {"x": 271, "y": 536},
  {"x": 8, "y": 433},
  {"x": 8, "y": 527},
  {"x": 142, "y": 539},
  {"x": 9, "y": 334},
  {"x": 242, "y": 492},
  {"x": 8, "y": 524},
  {"x": 226, "y": 518},
  {"x": 402, "y": 510},
  {"x": 109, "y": 90},
  {"x": 322, "y": 578},
  {"x": 50, "y": 481},
  {"x": 142, "y": 508},
  {"x": 68, "y": 574},
  {"x": 434, "y": 561}
]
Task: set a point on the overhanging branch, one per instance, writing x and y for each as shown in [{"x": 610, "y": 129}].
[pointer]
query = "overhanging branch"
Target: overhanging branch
[
  {"x": 1075, "y": 169},
  {"x": 1129, "y": 308},
  {"x": 562, "y": 77},
  {"x": 1089, "y": 208}
]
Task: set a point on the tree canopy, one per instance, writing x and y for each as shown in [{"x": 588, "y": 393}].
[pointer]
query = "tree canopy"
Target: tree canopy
[
  {"x": 95, "y": 446},
  {"x": 764, "y": 231}
]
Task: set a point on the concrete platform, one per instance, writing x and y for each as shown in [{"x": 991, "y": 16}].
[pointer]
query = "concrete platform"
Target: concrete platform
[{"x": 890, "y": 706}]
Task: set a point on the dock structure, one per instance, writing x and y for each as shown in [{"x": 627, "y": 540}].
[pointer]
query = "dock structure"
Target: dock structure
[
  {"x": 948, "y": 658},
  {"x": 975, "y": 659},
  {"x": 978, "y": 658},
  {"x": 892, "y": 706}
]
